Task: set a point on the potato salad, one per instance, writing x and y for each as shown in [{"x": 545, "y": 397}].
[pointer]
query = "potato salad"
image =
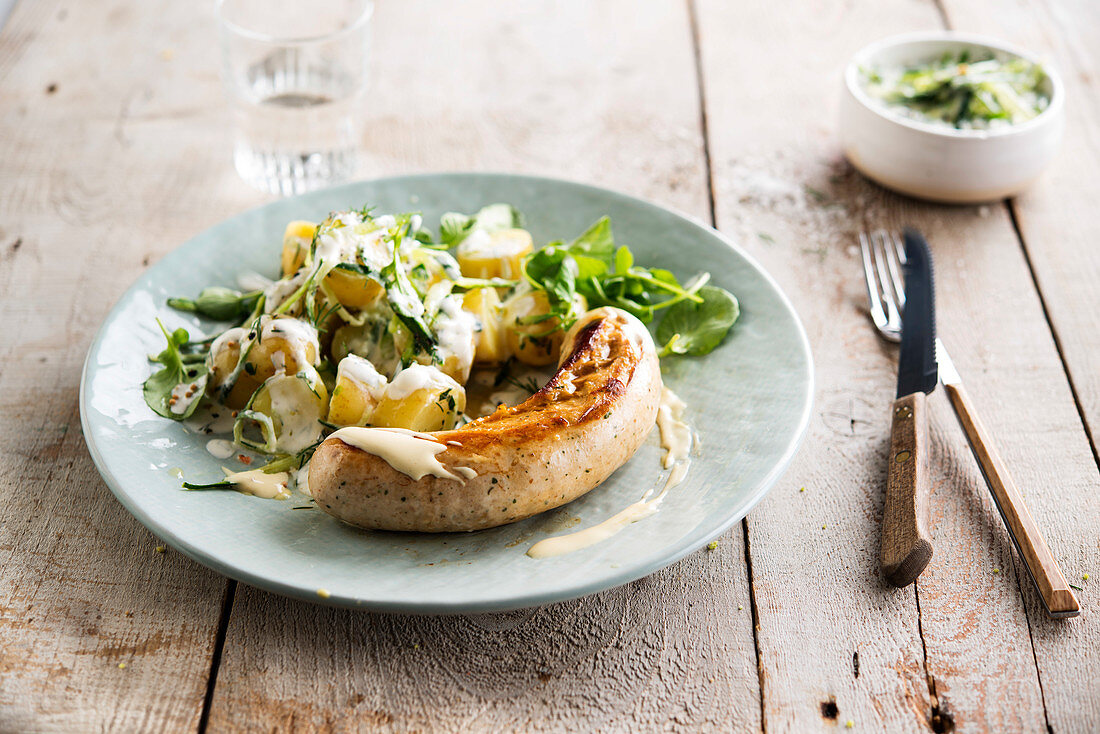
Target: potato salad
[{"x": 377, "y": 320}]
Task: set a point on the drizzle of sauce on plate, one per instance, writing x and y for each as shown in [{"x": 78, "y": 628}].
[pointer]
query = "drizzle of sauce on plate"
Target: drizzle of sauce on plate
[{"x": 677, "y": 441}]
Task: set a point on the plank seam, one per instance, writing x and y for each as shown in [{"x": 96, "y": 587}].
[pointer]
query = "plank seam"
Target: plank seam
[
  {"x": 755, "y": 621},
  {"x": 216, "y": 657},
  {"x": 1010, "y": 205},
  {"x": 701, "y": 91},
  {"x": 933, "y": 698}
]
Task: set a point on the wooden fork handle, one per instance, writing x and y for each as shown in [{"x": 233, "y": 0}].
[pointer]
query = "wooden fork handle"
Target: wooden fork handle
[
  {"x": 1048, "y": 578},
  {"x": 906, "y": 545}
]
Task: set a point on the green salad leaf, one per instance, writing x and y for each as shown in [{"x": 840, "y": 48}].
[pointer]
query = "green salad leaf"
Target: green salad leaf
[
  {"x": 178, "y": 370},
  {"x": 696, "y": 328},
  {"x": 220, "y": 304},
  {"x": 605, "y": 275}
]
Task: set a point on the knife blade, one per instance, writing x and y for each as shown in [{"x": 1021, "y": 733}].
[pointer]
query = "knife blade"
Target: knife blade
[
  {"x": 917, "y": 369},
  {"x": 906, "y": 543}
]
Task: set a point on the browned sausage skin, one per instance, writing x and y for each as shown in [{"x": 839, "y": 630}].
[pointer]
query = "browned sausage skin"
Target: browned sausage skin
[{"x": 563, "y": 441}]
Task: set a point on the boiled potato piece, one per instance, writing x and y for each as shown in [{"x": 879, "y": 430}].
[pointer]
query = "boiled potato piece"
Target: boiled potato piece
[
  {"x": 296, "y": 242},
  {"x": 358, "y": 390},
  {"x": 496, "y": 255},
  {"x": 280, "y": 343},
  {"x": 492, "y": 338},
  {"x": 420, "y": 398},
  {"x": 295, "y": 405},
  {"x": 353, "y": 290},
  {"x": 538, "y": 343}
]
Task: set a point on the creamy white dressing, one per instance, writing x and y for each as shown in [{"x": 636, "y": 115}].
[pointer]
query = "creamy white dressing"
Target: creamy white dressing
[
  {"x": 211, "y": 419},
  {"x": 455, "y": 331},
  {"x": 418, "y": 377},
  {"x": 280, "y": 290},
  {"x": 676, "y": 437},
  {"x": 237, "y": 334},
  {"x": 411, "y": 453},
  {"x": 183, "y": 395},
  {"x": 358, "y": 369},
  {"x": 297, "y": 334},
  {"x": 301, "y": 480},
  {"x": 355, "y": 240},
  {"x": 676, "y": 440},
  {"x": 477, "y": 242},
  {"x": 260, "y": 484},
  {"x": 220, "y": 448}
]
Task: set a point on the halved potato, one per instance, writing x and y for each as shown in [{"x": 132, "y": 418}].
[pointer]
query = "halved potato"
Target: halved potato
[
  {"x": 296, "y": 242},
  {"x": 492, "y": 337},
  {"x": 280, "y": 343},
  {"x": 358, "y": 389},
  {"x": 353, "y": 290},
  {"x": 496, "y": 255},
  {"x": 420, "y": 398}
]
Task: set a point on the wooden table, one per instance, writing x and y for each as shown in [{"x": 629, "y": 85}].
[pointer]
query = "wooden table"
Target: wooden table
[{"x": 114, "y": 150}]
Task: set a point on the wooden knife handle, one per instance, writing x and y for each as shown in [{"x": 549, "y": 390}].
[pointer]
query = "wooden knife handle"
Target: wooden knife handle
[
  {"x": 1048, "y": 578},
  {"x": 906, "y": 546}
]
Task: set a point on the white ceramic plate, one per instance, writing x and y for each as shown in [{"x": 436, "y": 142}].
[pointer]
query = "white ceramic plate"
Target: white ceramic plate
[{"x": 749, "y": 401}]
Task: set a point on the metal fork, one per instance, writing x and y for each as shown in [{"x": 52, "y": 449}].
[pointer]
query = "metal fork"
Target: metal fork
[{"x": 883, "y": 258}]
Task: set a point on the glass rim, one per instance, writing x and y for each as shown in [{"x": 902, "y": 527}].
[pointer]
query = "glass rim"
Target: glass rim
[{"x": 237, "y": 29}]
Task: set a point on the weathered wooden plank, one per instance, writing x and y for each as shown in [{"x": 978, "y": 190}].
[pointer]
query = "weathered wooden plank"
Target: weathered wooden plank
[
  {"x": 780, "y": 184},
  {"x": 595, "y": 91},
  {"x": 98, "y": 630},
  {"x": 1059, "y": 232}
]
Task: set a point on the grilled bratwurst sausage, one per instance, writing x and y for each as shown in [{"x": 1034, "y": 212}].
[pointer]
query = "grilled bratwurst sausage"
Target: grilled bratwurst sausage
[{"x": 564, "y": 440}]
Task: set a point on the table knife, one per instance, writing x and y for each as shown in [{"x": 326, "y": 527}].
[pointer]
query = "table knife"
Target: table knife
[{"x": 906, "y": 543}]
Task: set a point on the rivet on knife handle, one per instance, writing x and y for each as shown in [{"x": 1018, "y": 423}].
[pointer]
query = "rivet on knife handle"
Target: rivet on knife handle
[{"x": 906, "y": 545}]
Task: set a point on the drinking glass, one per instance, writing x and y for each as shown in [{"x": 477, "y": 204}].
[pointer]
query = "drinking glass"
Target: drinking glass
[{"x": 295, "y": 73}]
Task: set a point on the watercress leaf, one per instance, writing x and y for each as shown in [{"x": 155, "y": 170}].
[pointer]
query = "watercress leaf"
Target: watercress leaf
[
  {"x": 664, "y": 276},
  {"x": 589, "y": 267},
  {"x": 624, "y": 259},
  {"x": 158, "y": 389},
  {"x": 596, "y": 242},
  {"x": 555, "y": 271},
  {"x": 697, "y": 328}
]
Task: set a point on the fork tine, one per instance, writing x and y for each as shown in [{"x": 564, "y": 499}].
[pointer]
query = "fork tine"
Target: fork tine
[
  {"x": 878, "y": 316},
  {"x": 896, "y": 281},
  {"x": 893, "y": 317},
  {"x": 899, "y": 247}
]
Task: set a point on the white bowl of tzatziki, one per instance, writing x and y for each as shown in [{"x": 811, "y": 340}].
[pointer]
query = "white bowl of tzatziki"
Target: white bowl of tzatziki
[{"x": 950, "y": 117}]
